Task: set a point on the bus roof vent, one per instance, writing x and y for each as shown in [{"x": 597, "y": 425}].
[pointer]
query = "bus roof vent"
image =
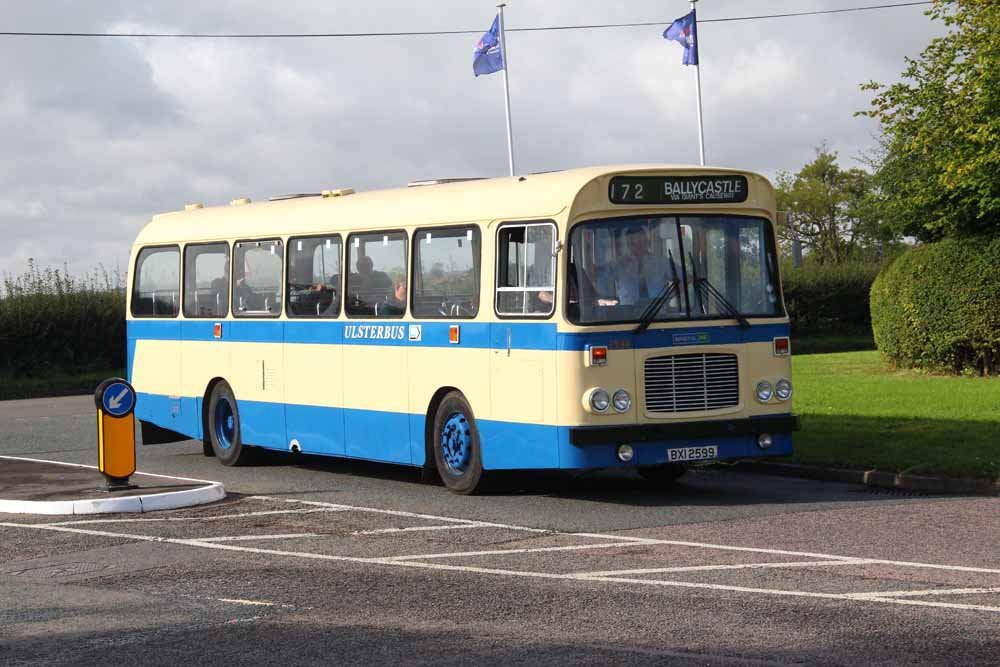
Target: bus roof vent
[
  {"x": 297, "y": 195},
  {"x": 340, "y": 192},
  {"x": 240, "y": 202},
  {"x": 440, "y": 181},
  {"x": 193, "y": 207}
]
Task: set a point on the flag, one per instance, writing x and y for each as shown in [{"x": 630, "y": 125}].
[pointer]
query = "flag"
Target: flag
[
  {"x": 685, "y": 31},
  {"x": 488, "y": 57}
]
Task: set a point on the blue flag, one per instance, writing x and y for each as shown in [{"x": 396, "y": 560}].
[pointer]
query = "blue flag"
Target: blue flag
[
  {"x": 488, "y": 57},
  {"x": 685, "y": 31}
]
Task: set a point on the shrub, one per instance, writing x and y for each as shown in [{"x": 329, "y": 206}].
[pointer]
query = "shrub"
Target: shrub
[
  {"x": 51, "y": 321},
  {"x": 828, "y": 298},
  {"x": 937, "y": 307}
]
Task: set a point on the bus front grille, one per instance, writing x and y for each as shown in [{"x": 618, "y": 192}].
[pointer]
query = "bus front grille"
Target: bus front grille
[{"x": 691, "y": 382}]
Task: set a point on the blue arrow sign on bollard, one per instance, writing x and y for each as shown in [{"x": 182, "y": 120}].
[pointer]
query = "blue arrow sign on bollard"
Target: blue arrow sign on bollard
[{"x": 118, "y": 398}]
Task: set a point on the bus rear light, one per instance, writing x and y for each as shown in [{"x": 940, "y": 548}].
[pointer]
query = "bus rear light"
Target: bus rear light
[
  {"x": 598, "y": 355},
  {"x": 782, "y": 346},
  {"x": 453, "y": 334}
]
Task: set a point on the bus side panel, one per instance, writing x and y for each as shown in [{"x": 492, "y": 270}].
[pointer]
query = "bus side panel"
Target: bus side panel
[
  {"x": 314, "y": 389},
  {"x": 203, "y": 358},
  {"x": 436, "y": 363},
  {"x": 517, "y": 446},
  {"x": 155, "y": 372},
  {"x": 520, "y": 431},
  {"x": 257, "y": 379},
  {"x": 376, "y": 402}
]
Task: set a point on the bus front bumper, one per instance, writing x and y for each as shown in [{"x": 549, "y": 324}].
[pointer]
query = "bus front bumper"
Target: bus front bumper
[{"x": 636, "y": 433}]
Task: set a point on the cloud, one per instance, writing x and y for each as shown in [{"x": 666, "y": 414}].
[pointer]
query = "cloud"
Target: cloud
[{"x": 99, "y": 135}]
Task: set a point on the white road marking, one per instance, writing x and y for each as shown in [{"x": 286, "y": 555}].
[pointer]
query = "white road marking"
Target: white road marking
[
  {"x": 646, "y": 540},
  {"x": 412, "y": 515},
  {"x": 417, "y": 529},
  {"x": 505, "y": 552},
  {"x": 924, "y": 593},
  {"x": 252, "y": 603},
  {"x": 736, "y": 566},
  {"x": 500, "y": 572},
  {"x": 193, "y": 518},
  {"x": 251, "y": 538}
]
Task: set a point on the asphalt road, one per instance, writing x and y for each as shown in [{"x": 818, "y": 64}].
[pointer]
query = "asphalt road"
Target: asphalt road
[{"x": 319, "y": 561}]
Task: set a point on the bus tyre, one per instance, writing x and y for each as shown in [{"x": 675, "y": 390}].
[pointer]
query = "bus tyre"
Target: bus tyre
[
  {"x": 224, "y": 427},
  {"x": 456, "y": 445},
  {"x": 664, "y": 473}
]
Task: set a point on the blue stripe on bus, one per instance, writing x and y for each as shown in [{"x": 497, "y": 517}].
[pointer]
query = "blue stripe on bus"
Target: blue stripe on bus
[
  {"x": 523, "y": 336},
  {"x": 396, "y": 437}
]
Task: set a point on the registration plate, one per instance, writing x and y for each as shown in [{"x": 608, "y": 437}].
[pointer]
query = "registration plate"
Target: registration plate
[{"x": 693, "y": 453}]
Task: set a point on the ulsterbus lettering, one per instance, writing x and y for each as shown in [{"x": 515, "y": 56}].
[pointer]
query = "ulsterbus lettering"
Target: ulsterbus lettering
[{"x": 375, "y": 331}]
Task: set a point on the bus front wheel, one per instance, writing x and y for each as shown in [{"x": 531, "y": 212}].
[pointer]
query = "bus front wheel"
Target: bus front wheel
[
  {"x": 224, "y": 427},
  {"x": 456, "y": 445}
]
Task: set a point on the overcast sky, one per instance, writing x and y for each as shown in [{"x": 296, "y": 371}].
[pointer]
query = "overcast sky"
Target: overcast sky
[{"x": 99, "y": 134}]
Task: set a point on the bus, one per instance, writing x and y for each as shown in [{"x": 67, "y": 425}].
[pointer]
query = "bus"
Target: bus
[{"x": 604, "y": 317}]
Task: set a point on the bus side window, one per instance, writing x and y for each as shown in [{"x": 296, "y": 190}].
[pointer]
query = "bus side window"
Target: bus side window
[
  {"x": 314, "y": 276},
  {"x": 206, "y": 280},
  {"x": 446, "y": 273},
  {"x": 257, "y": 278},
  {"x": 376, "y": 275},
  {"x": 157, "y": 283},
  {"x": 526, "y": 269}
]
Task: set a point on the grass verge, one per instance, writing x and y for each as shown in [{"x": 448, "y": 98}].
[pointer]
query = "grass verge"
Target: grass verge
[
  {"x": 53, "y": 384},
  {"x": 856, "y": 412}
]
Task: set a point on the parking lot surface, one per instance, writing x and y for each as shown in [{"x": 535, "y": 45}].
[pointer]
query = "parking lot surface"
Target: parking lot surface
[{"x": 314, "y": 561}]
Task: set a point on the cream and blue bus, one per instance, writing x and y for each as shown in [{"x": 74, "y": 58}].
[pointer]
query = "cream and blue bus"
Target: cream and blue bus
[{"x": 591, "y": 318}]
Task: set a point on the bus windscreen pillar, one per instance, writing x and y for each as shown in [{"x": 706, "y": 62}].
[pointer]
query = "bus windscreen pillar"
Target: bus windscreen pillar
[{"x": 115, "y": 401}]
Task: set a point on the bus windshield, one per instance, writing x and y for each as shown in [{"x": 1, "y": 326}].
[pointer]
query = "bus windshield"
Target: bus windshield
[{"x": 684, "y": 267}]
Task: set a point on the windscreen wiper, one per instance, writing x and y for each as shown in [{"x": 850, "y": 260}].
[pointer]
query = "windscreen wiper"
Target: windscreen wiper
[
  {"x": 666, "y": 292},
  {"x": 711, "y": 291}
]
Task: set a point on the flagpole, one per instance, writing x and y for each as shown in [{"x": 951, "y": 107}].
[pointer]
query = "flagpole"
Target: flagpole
[
  {"x": 697, "y": 78},
  {"x": 506, "y": 90}
]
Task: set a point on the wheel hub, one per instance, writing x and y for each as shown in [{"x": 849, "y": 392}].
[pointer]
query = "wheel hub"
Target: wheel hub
[
  {"x": 225, "y": 424},
  {"x": 456, "y": 443}
]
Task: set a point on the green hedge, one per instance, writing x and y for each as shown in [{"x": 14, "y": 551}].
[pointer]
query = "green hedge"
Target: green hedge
[
  {"x": 51, "y": 322},
  {"x": 828, "y": 299},
  {"x": 937, "y": 307}
]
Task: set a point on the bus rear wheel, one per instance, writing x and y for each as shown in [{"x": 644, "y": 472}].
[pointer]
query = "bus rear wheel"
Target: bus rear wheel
[
  {"x": 224, "y": 427},
  {"x": 457, "y": 454},
  {"x": 664, "y": 473}
]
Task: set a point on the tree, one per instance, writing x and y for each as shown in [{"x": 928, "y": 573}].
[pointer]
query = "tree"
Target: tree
[
  {"x": 939, "y": 168},
  {"x": 829, "y": 209}
]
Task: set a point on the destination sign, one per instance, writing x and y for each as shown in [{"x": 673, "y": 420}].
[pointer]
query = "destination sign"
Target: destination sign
[{"x": 728, "y": 189}]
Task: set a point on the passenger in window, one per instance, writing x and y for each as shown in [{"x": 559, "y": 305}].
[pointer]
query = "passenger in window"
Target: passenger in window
[
  {"x": 369, "y": 278},
  {"x": 397, "y": 302}
]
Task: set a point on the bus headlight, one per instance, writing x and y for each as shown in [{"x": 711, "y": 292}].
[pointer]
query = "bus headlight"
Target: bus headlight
[
  {"x": 600, "y": 400},
  {"x": 783, "y": 389},
  {"x": 763, "y": 391},
  {"x": 622, "y": 401},
  {"x": 764, "y": 440}
]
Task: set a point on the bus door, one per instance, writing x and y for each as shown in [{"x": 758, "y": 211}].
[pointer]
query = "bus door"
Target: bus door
[{"x": 522, "y": 360}]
